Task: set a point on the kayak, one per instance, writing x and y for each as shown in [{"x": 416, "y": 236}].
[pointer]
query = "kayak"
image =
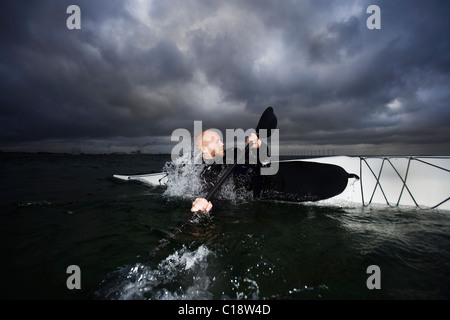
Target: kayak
[{"x": 422, "y": 182}]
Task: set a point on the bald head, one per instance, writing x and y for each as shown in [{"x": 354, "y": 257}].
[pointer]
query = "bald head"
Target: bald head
[{"x": 209, "y": 142}]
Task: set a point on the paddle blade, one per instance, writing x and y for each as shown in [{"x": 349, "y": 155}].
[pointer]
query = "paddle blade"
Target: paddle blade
[{"x": 267, "y": 121}]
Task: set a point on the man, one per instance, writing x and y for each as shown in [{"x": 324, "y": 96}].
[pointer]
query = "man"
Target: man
[
  {"x": 295, "y": 181},
  {"x": 210, "y": 144}
]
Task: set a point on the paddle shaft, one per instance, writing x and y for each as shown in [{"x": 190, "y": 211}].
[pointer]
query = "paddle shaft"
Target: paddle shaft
[{"x": 229, "y": 170}]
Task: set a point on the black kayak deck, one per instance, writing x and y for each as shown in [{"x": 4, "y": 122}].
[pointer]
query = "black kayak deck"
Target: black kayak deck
[{"x": 304, "y": 181}]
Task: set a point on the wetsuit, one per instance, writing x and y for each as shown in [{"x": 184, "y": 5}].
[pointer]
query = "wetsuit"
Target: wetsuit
[{"x": 245, "y": 176}]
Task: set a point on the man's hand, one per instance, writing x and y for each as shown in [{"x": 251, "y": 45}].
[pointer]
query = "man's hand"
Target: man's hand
[
  {"x": 201, "y": 204},
  {"x": 256, "y": 143}
]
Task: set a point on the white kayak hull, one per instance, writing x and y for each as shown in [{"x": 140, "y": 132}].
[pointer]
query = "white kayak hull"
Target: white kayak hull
[
  {"x": 422, "y": 182},
  {"x": 153, "y": 179}
]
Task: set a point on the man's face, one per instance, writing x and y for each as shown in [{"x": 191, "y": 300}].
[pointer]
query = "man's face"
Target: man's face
[{"x": 212, "y": 144}]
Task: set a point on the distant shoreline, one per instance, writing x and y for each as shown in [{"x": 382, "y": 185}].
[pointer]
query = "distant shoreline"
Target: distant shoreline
[
  {"x": 286, "y": 156},
  {"x": 80, "y": 154}
]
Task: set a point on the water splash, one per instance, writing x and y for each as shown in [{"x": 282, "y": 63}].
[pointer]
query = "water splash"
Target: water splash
[
  {"x": 181, "y": 276},
  {"x": 183, "y": 178},
  {"x": 184, "y": 181},
  {"x": 245, "y": 288}
]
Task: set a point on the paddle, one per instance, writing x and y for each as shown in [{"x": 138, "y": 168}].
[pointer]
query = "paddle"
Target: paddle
[{"x": 267, "y": 121}]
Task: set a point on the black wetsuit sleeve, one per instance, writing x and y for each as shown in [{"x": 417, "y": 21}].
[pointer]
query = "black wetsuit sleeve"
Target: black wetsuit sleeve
[
  {"x": 251, "y": 156},
  {"x": 246, "y": 173}
]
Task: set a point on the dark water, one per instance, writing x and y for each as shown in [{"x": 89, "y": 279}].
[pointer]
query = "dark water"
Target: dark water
[{"x": 59, "y": 210}]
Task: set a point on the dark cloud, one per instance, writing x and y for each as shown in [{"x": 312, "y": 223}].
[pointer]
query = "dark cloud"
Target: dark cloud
[
  {"x": 340, "y": 39},
  {"x": 137, "y": 70}
]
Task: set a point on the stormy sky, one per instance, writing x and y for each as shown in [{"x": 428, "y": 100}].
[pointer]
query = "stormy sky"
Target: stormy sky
[{"x": 138, "y": 70}]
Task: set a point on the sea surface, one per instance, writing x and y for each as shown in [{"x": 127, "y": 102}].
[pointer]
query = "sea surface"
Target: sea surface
[{"x": 133, "y": 241}]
